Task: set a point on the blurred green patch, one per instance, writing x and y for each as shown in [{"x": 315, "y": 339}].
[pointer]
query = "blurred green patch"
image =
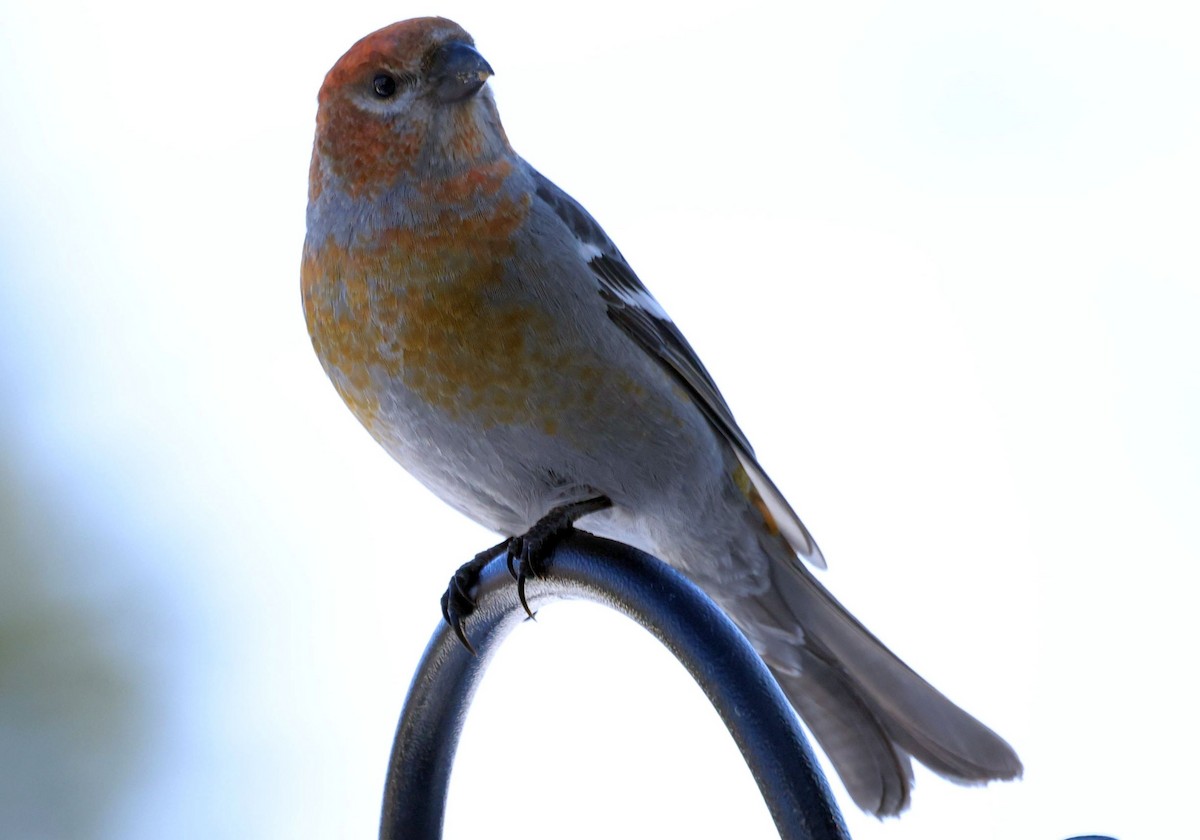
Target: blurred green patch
[{"x": 72, "y": 704}]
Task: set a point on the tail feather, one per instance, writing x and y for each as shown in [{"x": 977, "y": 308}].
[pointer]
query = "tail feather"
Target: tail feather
[
  {"x": 867, "y": 709},
  {"x": 876, "y": 774}
]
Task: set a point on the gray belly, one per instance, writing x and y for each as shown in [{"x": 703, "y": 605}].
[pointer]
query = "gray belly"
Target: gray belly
[{"x": 641, "y": 443}]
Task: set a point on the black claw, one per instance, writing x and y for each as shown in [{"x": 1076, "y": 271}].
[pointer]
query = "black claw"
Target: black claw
[
  {"x": 455, "y": 609},
  {"x": 521, "y": 596},
  {"x": 517, "y": 559},
  {"x": 511, "y": 553},
  {"x": 462, "y": 637},
  {"x": 527, "y": 553},
  {"x": 457, "y": 601},
  {"x": 525, "y": 556},
  {"x": 462, "y": 588},
  {"x": 528, "y": 564}
]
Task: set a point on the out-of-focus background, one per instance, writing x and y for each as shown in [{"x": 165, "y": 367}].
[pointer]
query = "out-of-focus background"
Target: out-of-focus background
[{"x": 942, "y": 259}]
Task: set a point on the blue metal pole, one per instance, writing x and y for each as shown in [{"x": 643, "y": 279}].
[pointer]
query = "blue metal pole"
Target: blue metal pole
[{"x": 682, "y": 617}]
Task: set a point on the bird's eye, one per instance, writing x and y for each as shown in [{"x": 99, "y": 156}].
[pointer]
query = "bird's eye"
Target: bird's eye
[{"x": 385, "y": 85}]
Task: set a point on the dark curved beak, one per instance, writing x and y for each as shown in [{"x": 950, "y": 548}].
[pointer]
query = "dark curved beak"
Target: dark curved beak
[{"x": 457, "y": 71}]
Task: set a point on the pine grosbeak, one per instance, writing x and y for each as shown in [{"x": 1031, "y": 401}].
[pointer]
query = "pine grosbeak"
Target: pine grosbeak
[{"x": 492, "y": 338}]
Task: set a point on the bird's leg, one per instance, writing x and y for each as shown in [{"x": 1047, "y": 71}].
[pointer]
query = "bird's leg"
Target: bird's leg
[
  {"x": 527, "y": 552},
  {"x": 525, "y": 555},
  {"x": 457, "y": 601}
]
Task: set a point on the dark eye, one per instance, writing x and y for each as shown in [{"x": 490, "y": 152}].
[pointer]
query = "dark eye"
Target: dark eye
[{"x": 385, "y": 85}]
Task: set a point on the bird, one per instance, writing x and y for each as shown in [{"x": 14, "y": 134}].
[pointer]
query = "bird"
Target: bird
[{"x": 491, "y": 337}]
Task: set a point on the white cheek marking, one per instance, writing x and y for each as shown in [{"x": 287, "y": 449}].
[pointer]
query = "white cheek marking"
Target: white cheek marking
[{"x": 388, "y": 107}]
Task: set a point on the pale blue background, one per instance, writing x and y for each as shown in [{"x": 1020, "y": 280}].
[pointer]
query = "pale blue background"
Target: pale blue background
[{"x": 942, "y": 259}]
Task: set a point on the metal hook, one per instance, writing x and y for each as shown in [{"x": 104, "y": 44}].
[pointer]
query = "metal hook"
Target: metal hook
[{"x": 678, "y": 614}]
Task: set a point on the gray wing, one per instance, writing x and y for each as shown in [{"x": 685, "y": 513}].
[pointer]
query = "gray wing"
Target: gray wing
[{"x": 634, "y": 310}]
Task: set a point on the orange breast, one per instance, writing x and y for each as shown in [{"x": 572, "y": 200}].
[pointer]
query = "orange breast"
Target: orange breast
[{"x": 424, "y": 310}]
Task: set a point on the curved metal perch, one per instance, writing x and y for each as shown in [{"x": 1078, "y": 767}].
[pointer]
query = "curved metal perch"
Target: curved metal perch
[{"x": 679, "y": 615}]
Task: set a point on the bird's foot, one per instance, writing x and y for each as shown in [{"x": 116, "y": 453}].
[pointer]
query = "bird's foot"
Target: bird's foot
[
  {"x": 525, "y": 554},
  {"x": 457, "y": 600},
  {"x": 528, "y": 552}
]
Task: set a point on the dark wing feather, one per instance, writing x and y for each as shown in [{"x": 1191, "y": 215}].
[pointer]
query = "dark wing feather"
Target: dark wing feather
[{"x": 634, "y": 310}]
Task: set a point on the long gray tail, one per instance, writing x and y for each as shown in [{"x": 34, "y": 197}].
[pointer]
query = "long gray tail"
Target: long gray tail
[{"x": 868, "y": 710}]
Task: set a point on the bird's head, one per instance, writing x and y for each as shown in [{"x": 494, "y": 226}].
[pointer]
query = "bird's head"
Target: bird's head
[{"x": 407, "y": 102}]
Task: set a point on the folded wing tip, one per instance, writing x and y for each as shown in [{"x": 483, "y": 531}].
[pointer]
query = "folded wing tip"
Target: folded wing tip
[
  {"x": 802, "y": 543},
  {"x": 816, "y": 559}
]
